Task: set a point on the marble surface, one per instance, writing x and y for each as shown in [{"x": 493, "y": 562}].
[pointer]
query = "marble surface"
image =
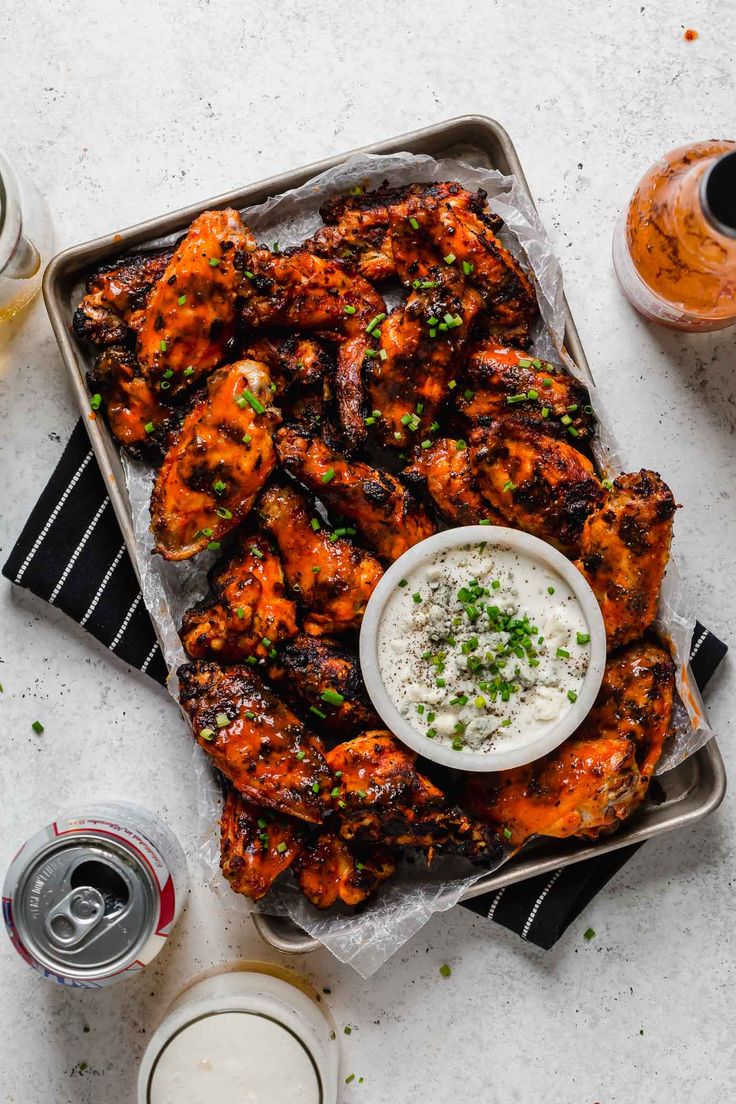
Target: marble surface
[{"x": 122, "y": 111}]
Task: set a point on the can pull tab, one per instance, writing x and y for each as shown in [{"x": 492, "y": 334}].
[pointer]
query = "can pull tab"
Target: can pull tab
[{"x": 74, "y": 916}]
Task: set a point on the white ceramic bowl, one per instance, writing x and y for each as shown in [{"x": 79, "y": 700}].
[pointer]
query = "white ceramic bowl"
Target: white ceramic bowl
[{"x": 512, "y": 751}]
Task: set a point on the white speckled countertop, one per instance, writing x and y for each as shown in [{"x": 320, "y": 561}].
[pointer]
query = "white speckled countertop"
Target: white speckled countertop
[{"x": 121, "y": 111}]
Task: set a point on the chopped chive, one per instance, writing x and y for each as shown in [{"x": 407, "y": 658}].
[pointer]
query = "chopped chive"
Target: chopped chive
[
  {"x": 218, "y": 486},
  {"x": 583, "y": 638},
  {"x": 189, "y": 371},
  {"x": 315, "y": 787},
  {"x": 162, "y": 345},
  {"x": 281, "y": 847},
  {"x": 223, "y": 512},
  {"x": 449, "y": 259},
  {"x": 511, "y": 399},
  {"x": 240, "y": 613},
  {"x": 349, "y": 310},
  {"x": 467, "y": 268},
  {"x": 374, "y": 322},
  {"x": 246, "y": 438},
  {"x": 206, "y": 733},
  {"x": 547, "y": 382},
  {"x": 333, "y": 697},
  {"x": 221, "y": 720},
  {"x": 256, "y": 552},
  {"x": 417, "y": 597},
  {"x": 413, "y": 223},
  {"x": 573, "y": 431},
  {"x": 572, "y": 696},
  {"x": 533, "y": 394},
  {"x": 562, "y": 653},
  {"x": 566, "y": 420},
  {"x": 301, "y": 755},
  {"x": 254, "y": 402},
  {"x": 403, "y": 582},
  {"x": 524, "y": 362},
  {"x": 461, "y": 445},
  {"x": 95, "y": 401},
  {"x": 509, "y": 485},
  {"x": 250, "y": 716},
  {"x": 213, "y": 546},
  {"x": 164, "y": 385},
  {"x": 37, "y": 727},
  {"x": 445, "y": 970},
  {"x": 149, "y": 427},
  {"x": 484, "y": 521},
  {"x": 550, "y": 590},
  {"x": 317, "y": 712},
  {"x": 508, "y": 833},
  {"x": 214, "y": 262},
  {"x": 589, "y": 934},
  {"x": 383, "y": 354},
  {"x": 328, "y": 476},
  {"x": 426, "y": 444},
  {"x": 607, "y": 483},
  {"x": 181, "y": 300},
  {"x": 452, "y": 385},
  {"x": 545, "y": 412},
  {"x": 314, "y": 522}
]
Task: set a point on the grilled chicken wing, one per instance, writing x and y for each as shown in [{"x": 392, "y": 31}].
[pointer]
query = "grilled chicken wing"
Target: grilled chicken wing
[
  {"x": 329, "y": 871},
  {"x": 265, "y": 751},
  {"x": 443, "y": 472},
  {"x": 385, "y": 514},
  {"x": 247, "y": 611},
  {"x": 383, "y": 798},
  {"x": 190, "y": 314},
  {"x": 333, "y": 578},
  {"x": 399, "y": 231},
  {"x": 303, "y": 372},
  {"x": 112, "y": 309},
  {"x": 322, "y": 679},
  {"x": 216, "y": 464},
  {"x": 539, "y": 484},
  {"x": 601, "y": 773},
  {"x": 624, "y": 549},
  {"x": 255, "y": 846},
  {"x": 306, "y": 292},
  {"x": 419, "y": 345},
  {"x": 508, "y": 383},
  {"x": 134, "y": 413}
]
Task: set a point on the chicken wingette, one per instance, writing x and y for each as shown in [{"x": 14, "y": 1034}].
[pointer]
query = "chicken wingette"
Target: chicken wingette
[
  {"x": 255, "y": 846},
  {"x": 322, "y": 680},
  {"x": 247, "y": 611},
  {"x": 329, "y": 870},
  {"x": 112, "y": 309},
  {"x": 135, "y": 414},
  {"x": 539, "y": 484},
  {"x": 598, "y": 776},
  {"x": 190, "y": 314},
  {"x": 386, "y": 515},
  {"x": 217, "y": 462},
  {"x": 624, "y": 549},
  {"x": 257, "y": 743},
  {"x": 332, "y": 578},
  {"x": 443, "y": 472}
]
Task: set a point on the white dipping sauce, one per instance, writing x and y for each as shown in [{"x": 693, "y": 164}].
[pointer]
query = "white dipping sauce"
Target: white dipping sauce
[
  {"x": 234, "y": 1058},
  {"x": 482, "y": 644}
]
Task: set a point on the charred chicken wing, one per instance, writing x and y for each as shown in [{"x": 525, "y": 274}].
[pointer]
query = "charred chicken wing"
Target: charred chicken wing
[
  {"x": 600, "y": 774},
  {"x": 329, "y": 871},
  {"x": 247, "y": 611},
  {"x": 190, "y": 313},
  {"x": 112, "y": 309},
  {"x": 400, "y": 231},
  {"x": 255, "y": 846},
  {"x": 624, "y": 549},
  {"x": 216, "y": 464},
  {"x": 386, "y": 515},
  {"x": 264, "y": 750},
  {"x": 137, "y": 418},
  {"x": 383, "y": 798},
  {"x": 322, "y": 680},
  {"x": 508, "y": 383},
  {"x": 333, "y": 578},
  {"x": 539, "y": 484},
  {"x": 443, "y": 472},
  {"x": 306, "y": 292}
]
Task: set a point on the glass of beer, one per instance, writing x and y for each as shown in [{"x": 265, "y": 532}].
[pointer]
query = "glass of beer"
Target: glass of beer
[{"x": 26, "y": 239}]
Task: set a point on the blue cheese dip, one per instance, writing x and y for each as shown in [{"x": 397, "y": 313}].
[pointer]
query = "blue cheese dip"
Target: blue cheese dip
[{"x": 482, "y": 644}]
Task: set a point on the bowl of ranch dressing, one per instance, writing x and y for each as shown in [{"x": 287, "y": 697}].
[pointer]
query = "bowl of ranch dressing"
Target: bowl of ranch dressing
[{"x": 482, "y": 648}]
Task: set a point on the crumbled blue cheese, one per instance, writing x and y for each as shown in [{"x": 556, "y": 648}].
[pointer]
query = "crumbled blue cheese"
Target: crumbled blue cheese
[{"x": 481, "y": 643}]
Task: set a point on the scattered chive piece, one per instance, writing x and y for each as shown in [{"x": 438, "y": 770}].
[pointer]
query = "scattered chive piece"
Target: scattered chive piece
[
  {"x": 509, "y": 485},
  {"x": 374, "y": 322},
  {"x": 37, "y": 727},
  {"x": 369, "y": 421},
  {"x": 413, "y": 223},
  {"x": 218, "y": 486},
  {"x": 181, "y": 300},
  {"x": 417, "y": 597},
  {"x": 589, "y": 934},
  {"x": 362, "y": 794},
  {"x": 214, "y": 262},
  {"x": 281, "y": 847},
  {"x": 256, "y": 552},
  {"x": 315, "y": 787},
  {"x": 547, "y": 382},
  {"x": 426, "y": 444},
  {"x": 168, "y": 373},
  {"x": 524, "y": 362},
  {"x": 572, "y": 696},
  {"x": 511, "y": 399},
  {"x": 328, "y": 476},
  {"x": 207, "y": 733},
  {"x": 545, "y": 412},
  {"x": 317, "y": 712},
  {"x": 335, "y": 792},
  {"x": 162, "y": 345},
  {"x": 562, "y": 653},
  {"x": 301, "y": 755},
  {"x": 246, "y": 438},
  {"x": 403, "y": 582},
  {"x": 223, "y": 512},
  {"x": 250, "y": 716},
  {"x": 349, "y": 310},
  {"x": 349, "y": 1078},
  {"x": 573, "y": 431},
  {"x": 452, "y": 385},
  {"x": 507, "y": 833},
  {"x": 449, "y": 259},
  {"x": 262, "y": 822},
  {"x": 165, "y": 385},
  {"x": 550, "y": 590},
  {"x": 213, "y": 546},
  {"x": 240, "y": 613},
  {"x": 314, "y": 522},
  {"x": 95, "y": 401},
  {"x": 461, "y": 445},
  {"x": 333, "y": 697},
  {"x": 189, "y": 371},
  {"x": 566, "y": 420},
  {"x": 257, "y": 406},
  {"x": 149, "y": 427},
  {"x": 445, "y": 970},
  {"x": 347, "y": 1031},
  {"x": 583, "y": 638},
  {"x": 484, "y": 521},
  {"x": 383, "y": 354},
  {"x": 221, "y": 720},
  {"x": 467, "y": 268},
  {"x": 607, "y": 483},
  {"x": 533, "y": 394}
]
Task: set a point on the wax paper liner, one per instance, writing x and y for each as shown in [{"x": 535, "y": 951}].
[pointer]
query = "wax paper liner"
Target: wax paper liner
[{"x": 367, "y": 937}]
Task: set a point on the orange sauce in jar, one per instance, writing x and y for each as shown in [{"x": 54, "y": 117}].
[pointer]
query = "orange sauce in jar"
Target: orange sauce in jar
[{"x": 675, "y": 246}]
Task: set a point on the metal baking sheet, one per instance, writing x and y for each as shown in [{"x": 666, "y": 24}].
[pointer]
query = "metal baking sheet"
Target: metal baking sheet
[{"x": 689, "y": 792}]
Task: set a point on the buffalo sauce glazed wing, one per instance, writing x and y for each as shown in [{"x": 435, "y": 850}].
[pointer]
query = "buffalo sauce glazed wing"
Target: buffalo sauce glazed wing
[
  {"x": 257, "y": 743},
  {"x": 190, "y": 313},
  {"x": 217, "y": 462}
]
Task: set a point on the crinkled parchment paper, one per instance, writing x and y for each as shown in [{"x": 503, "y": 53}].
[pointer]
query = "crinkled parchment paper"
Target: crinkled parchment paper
[{"x": 367, "y": 938}]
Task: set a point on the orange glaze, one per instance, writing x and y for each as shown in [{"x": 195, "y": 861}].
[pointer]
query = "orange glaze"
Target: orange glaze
[
  {"x": 205, "y": 272},
  {"x": 190, "y": 508}
]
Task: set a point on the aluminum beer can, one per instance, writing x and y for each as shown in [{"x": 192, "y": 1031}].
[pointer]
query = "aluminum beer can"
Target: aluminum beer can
[{"x": 93, "y": 897}]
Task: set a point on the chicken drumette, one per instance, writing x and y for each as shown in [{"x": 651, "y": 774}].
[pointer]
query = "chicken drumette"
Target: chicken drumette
[
  {"x": 216, "y": 464},
  {"x": 321, "y": 679},
  {"x": 384, "y": 798},
  {"x": 255, "y": 846},
  {"x": 329, "y": 870},
  {"x": 508, "y": 383},
  {"x": 247, "y": 611},
  {"x": 386, "y": 515},
  {"x": 264, "y": 750},
  {"x": 539, "y": 484},
  {"x": 137, "y": 418},
  {"x": 333, "y": 578},
  {"x": 624, "y": 549},
  {"x": 444, "y": 473},
  {"x": 600, "y": 774}
]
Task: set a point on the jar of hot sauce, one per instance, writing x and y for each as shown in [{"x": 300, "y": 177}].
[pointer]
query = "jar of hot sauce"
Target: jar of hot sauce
[{"x": 674, "y": 247}]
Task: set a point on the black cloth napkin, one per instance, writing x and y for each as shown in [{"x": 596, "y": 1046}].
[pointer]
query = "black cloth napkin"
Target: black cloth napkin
[{"x": 71, "y": 553}]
